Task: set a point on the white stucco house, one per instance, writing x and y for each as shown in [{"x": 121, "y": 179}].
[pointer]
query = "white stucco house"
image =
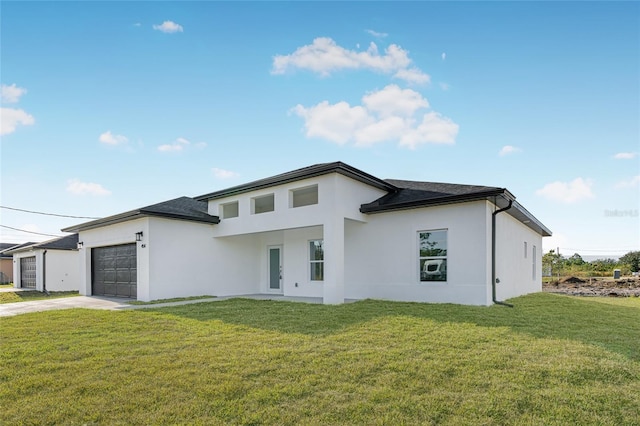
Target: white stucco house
[
  {"x": 329, "y": 231},
  {"x": 52, "y": 265}
]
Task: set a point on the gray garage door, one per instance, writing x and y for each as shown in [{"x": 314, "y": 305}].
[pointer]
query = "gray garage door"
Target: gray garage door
[
  {"x": 114, "y": 271},
  {"x": 28, "y": 272}
]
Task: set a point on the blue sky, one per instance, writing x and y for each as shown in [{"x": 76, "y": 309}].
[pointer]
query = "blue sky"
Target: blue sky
[{"x": 110, "y": 106}]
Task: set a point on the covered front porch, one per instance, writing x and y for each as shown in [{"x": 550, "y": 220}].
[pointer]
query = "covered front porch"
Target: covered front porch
[{"x": 305, "y": 262}]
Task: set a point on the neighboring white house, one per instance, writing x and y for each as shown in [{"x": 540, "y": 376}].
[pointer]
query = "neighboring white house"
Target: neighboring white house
[
  {"x": 51, "y": 265},
  {"x": 328, "y": 230}
]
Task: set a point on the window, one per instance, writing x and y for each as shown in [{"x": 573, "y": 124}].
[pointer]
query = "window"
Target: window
[
  {"x": 433, "y": 255},
  {"x": 525, "y": 249},
  {"x": 316, "y": 260},
  {"x": 229, "y": 210},
  {"x": 262, "y": 204},
  {"x": 533, "y": 258},
  {"x": 304, "y": 196}
]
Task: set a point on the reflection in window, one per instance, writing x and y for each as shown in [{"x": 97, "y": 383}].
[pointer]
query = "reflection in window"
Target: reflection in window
[
  {"x": 433, "y": 255},
  {"x": 316, "y": 260}
]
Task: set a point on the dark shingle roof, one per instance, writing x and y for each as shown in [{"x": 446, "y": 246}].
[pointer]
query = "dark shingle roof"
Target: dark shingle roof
[
  {"x": 299, "y": 174},
  {"x": 411, "y": 194},
  {"x": 5, "y": 248},
  {"x": 69, "y": 242},
  {"x": 6, "y": 245},
  {"x": 183, "y": 208},
  {"x": 6, "y": 252}
]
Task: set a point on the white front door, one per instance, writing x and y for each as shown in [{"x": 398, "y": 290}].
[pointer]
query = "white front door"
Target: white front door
[{"x": 274, "y": 269}]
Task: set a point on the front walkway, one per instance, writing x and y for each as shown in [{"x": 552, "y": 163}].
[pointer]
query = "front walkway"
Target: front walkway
[{"x": 117, "y": 304}]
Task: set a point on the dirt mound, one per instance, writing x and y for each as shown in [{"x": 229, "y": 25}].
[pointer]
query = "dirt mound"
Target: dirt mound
[
  {"x": 623, "y": 287},
  {"x": 572, "y": 280}
]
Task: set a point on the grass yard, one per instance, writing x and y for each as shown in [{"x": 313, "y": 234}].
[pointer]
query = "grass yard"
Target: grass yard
[
  {"x": 175, "y": 299},
  {"x": 27, "y": 296},
  {"x": 550, "y": 360}
]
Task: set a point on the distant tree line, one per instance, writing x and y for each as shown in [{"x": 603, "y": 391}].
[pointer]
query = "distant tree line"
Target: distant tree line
[{"x": 554, "y": 264}]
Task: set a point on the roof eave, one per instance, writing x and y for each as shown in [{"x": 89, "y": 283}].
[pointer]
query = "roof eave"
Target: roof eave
[
  {"x": 530, "y": 220},
  {"x": 111, "y": 220},
  {"x": 452, "y": 199},
  {"x": 305, "y": 173},
  {"x": 136, "y": 214}
]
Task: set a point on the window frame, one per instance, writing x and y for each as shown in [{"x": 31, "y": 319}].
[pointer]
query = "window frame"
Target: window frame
[
  {"x": 262, "y": 197},
  {"x": 292, "y": 196},
  {"x": 312, "y": 262},
  {"x": 224, "y": 206},
  {"x": 442, "y": 267}
]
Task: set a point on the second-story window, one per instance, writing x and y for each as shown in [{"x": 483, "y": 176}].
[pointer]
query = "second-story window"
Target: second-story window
[{"x": 262, "y": 204}]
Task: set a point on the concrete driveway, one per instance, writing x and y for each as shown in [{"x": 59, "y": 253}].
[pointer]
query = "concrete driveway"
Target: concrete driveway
[
  {"x": 11, "y": 309},
  {"x": 115, "y": 304},
  {"x": 87, "y": 302}
]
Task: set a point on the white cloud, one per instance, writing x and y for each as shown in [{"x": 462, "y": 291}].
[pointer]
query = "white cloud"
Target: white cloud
[
  {"x": 224, "y": 174},
  {"x": 77, "y": 187},
  {"x": 444, "y": 86},
  {"x": 390, "y": 114},
  {"x": 324, "y": 56},
  {"x": 177, "y": 146},
  {"x": 377, "y": 34},
  {"x": 337, "y": 123},
  {"x": 412, "y": 75},
  {"x": 443, "y": 56},
  {"x": 11, "y": 94},
  {"x": 631, "y": 183},
  {"x": 10, "y": 118},
  {"x": 392, "y": 100},
  {"x": 434, "y": 129},
  {"x": 508, "y": 149},
  {"x": 169, "y": 27},
  {"x": 111, "y": 139},
  {"x": 625, "y": 155},
  {"x": 567, "y": 192}
]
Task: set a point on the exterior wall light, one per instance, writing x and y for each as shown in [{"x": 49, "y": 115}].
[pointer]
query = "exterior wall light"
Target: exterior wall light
[
  {"x": 80, "y": 244},
  {"x": 139, "y": 236}
]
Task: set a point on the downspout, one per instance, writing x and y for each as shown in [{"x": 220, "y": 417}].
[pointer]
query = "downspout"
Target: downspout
[
  {"x": 44, "y": 273},
  {"x": 493, "y": 255}
]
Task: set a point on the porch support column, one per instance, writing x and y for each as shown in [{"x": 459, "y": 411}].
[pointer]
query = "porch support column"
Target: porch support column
[{"x": 333, "y": 287}]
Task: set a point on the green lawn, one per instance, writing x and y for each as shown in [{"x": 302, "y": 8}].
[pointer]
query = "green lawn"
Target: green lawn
[
  {"x": 27, "y": 296},
  {"x": 175, "y": 299},
  {"x": 551, "y": 360}
]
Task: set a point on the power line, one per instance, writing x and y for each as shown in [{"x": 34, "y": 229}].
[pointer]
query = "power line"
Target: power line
[
  {"x": 30, "y": 232},
  {"x": 48, "y": 214}
]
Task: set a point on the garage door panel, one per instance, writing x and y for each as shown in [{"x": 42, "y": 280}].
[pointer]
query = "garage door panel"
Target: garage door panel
[
  {"x": 109, "y": 262},
  {"x": 28, "y": 272},
  {"x": 112, "y": 273},
  {"x": 123, "y": 275},
  {"x": 124, "y": 290}
]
